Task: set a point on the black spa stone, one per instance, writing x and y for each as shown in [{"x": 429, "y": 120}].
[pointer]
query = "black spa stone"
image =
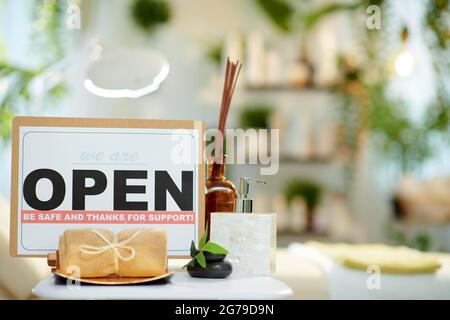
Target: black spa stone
[
  {"x": 216, "y": 269},
  {"x": 213, "y": 257}
]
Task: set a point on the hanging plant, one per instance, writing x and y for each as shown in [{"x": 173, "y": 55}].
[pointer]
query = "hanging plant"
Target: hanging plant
[
  {"x": 367, "y": 109},
  {"x": 149, "y": 14},
  {"x": 49, "y": 33},
  {"x": 279, "y": 11}
]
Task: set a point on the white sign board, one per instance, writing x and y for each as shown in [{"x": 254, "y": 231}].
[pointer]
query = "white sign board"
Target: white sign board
[{"x": 105, "y": 173}]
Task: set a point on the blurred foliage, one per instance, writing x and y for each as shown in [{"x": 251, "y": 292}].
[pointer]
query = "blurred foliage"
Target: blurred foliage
[
  {"x": 148, "y": 14},
  {"x": 49, "y": 30},
  {"x": 6, "y": 117},
  {"x": 311, "y": 19},
  {"x": 15, "y": 83},
  {"x": 395, "y": 133},
  {"x": 366, "y": 108},
  {"x": 437, "y": 19},
  {"x": 421, "y": 241},
  {"x": 310, "y": 191},
  {"x": 280, "y": 12},
  {"x": 256, "y": 116},
  {"x": 214, "y": 52},
  {"x": 48, "y": 47}
]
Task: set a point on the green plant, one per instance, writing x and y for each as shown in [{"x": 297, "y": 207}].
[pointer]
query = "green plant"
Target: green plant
[
  {"x": 49, "y": 30},
  {"x": 367, "y": 110},
  {"x": 148, "y": 14},
  {"x": 312, "y": 18},
  {"x": 421, "y": 241},
  {"x": 308, "y": 190},
  {"x": 49, "y": 33},
  {"x": 255, "y": 116},
  {"x": 279, "y": 11},
  {"x": 214, "y": 52},
  {"x": 203, "y": 246}
]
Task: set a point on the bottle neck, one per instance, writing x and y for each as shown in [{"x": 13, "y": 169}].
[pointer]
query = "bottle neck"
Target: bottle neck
[{"x": 216, "y": 170}]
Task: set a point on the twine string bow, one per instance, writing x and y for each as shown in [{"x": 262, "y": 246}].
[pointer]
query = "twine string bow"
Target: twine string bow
[{"x": 113, "y": 245}]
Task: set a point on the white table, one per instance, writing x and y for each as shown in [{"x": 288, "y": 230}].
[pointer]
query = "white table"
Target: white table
[{"x": 180, "y": 287}]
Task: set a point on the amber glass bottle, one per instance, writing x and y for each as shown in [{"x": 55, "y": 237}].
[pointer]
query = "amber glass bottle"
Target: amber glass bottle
[{"x": 220, "y": 192}]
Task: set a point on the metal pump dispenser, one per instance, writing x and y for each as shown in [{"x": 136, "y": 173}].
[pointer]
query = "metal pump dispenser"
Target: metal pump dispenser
[{"x": 244, "y": 203}]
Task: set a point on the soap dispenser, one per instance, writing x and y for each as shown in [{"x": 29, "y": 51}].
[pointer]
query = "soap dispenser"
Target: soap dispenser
[{"x": 250, "y": 238}]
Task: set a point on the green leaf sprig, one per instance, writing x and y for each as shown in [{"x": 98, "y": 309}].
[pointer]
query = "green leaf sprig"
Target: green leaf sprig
[{"x": 203, "y": 246}]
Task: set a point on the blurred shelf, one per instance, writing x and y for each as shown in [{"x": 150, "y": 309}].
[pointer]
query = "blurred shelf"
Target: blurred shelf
[
  {"x": 415, "y": 223},
  {"x": 284, "y": 239},
  {"x": 287, "y": 88},
  {"x": 290, "y": 159}
]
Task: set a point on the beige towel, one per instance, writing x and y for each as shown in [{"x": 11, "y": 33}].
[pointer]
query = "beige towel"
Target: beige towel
[{"x": 82, "y": 248}]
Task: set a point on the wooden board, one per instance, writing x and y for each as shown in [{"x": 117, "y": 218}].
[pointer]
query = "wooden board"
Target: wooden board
[{"x": 26, "y": 123}]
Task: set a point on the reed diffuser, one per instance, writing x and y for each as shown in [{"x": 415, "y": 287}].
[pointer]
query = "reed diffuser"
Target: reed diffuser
[{"x": 220, "y": 192}]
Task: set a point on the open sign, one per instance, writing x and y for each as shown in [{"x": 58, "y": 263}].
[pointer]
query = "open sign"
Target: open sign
[{"x": 105, "y": 173}]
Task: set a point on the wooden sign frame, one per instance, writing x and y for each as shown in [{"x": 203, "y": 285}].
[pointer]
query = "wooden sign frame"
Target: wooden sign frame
[{"x": 19, "y": 122}]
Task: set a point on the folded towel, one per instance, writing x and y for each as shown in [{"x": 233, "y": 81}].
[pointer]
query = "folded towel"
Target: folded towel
[
  {"x": 100, "y": 252},
  {"x": 390, "y": 259}
]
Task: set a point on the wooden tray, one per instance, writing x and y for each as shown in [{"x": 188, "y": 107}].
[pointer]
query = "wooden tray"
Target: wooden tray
[{"x": 52, "y": 261}]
